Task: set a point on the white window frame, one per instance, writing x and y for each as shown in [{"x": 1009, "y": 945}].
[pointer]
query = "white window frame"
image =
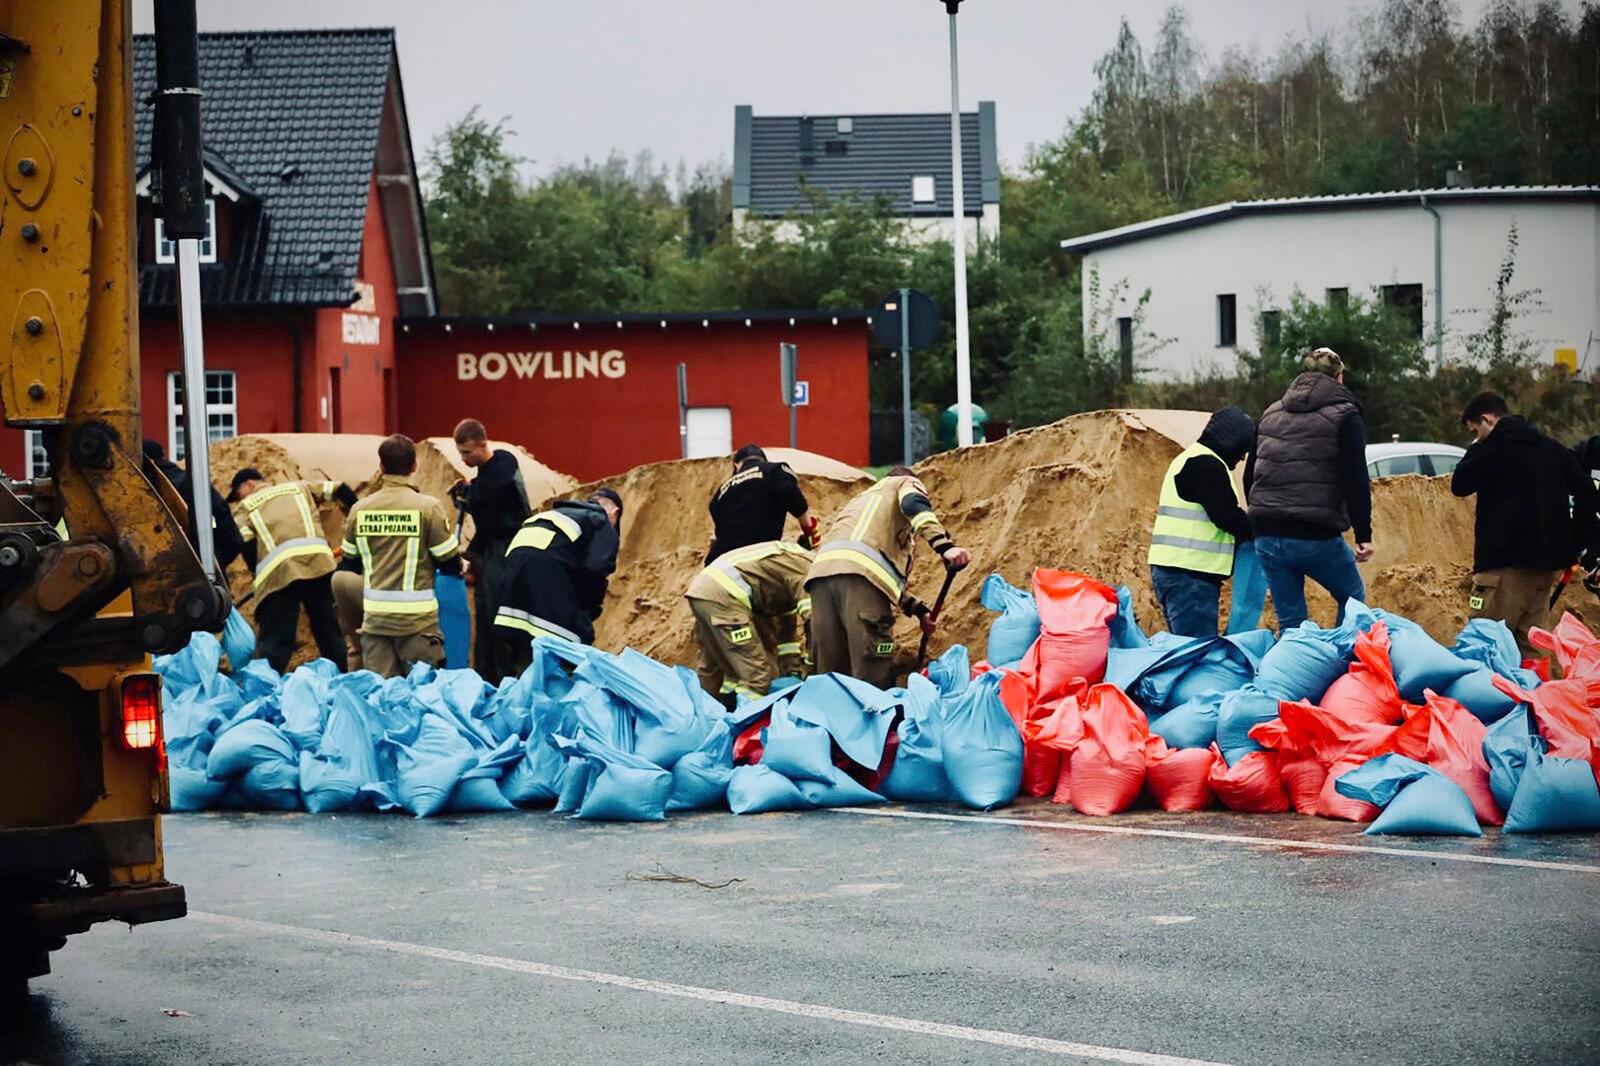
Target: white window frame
[
  {"x": 923, "y": 190},
  {"x": 34, "y": 465},
  {"x": 167, "y": 251},
  {"x": 175, "y": 410}
]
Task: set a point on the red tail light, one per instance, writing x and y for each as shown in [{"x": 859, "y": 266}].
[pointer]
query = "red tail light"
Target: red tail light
[{"x": 141, "y": 711}]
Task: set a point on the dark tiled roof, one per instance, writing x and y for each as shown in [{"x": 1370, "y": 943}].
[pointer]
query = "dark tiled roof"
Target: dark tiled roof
[
  {"x": 306, "y": 104},
  {"x": 777, "y": 159}
]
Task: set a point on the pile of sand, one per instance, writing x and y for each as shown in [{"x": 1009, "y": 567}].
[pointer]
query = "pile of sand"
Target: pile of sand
[{"x": 666, "y": 530}]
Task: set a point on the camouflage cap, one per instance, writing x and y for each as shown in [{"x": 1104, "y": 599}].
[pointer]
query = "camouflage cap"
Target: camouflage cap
[{"x": 1324, "y": 360}]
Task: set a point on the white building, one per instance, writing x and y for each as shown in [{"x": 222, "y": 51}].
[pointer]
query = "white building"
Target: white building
[
  {"x": 1217, "y": 275},
  {"x": 779, "y": 160}
]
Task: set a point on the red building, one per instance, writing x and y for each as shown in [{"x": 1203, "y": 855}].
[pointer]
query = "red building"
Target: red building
[
  {"x": 318, "y": 298},
  {"x": 317, "y": 241},
  {"x": 592, "y": 395}
]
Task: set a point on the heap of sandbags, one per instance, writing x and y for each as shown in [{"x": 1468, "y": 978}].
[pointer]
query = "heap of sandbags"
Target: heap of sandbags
[{"x": 1464, "y": 733}]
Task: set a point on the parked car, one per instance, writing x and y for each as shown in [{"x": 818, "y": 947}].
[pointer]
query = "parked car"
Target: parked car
[{"x": 1413, "y": 457}]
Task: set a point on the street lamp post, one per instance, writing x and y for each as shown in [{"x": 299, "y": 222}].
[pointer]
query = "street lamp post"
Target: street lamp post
[{"x": 958, "y": 214}]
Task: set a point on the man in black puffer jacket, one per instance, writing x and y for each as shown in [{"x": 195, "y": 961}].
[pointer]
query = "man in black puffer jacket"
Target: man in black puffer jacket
[
  {"x": 1536, "y": 513},
  {"x": 1307, "y": 483}
]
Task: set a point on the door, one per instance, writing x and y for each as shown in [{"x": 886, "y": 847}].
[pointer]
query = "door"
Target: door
[
  {"x": 710, "y": 431},
  {"x": 335, "y": 401}
]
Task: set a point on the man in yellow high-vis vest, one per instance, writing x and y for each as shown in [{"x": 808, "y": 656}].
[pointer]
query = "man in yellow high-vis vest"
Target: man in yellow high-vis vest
[
  {"x": 731, "y": 597},
  {"x": 397, "y": 538},
  {"x": 285, "y": 544},
  {"x": 1199, "y": 520}
]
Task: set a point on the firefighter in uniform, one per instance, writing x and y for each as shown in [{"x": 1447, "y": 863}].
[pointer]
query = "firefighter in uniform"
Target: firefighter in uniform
[
  {"x": 285, "y": 544},
  {"x": 497, "y": 500},
  {"x": 761, "y": 581},
  {"x": 556, "y": 573},
  {"x": 750, "y": 507},
  {"x": 397, "y": 538},
  {"x": 860, "y": 573}
]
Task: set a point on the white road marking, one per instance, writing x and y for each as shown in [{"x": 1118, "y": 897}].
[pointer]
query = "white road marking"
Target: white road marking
[
  {"x": 1222, "y": 838},
  {"x": 996, "y": 1037},
  {"x": 1171, "y": 919}
]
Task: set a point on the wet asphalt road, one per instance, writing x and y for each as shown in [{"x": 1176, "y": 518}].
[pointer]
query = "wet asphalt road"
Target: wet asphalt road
[{"x": 1136, "y": 946}]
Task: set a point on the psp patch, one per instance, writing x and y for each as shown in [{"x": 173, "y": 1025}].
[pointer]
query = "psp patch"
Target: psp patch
[
  {"x": 1476, "y": 603},
  {"x": 740, "y": 634},
  {"x": 885, "y": 647}
]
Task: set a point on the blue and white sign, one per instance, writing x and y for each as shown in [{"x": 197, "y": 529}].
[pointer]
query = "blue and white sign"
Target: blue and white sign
[{"x": 802, "y": 394}]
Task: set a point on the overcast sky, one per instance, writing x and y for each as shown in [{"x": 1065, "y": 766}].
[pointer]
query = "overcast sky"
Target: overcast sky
[{"x": 577, "y": 78}]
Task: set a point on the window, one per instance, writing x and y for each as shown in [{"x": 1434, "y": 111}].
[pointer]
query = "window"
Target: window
[
  {"x": 167, "y": 251},
  {"x": 35, "y": 460},
  {"x": 847, "y": 125},
  {"x": 1406, "y": 299},
  {"x": 1271, "y": 329},
  {"x": 1396, "y": 464},
  {"x": 922, "y": 189},
  {"x": 1227, "y": 320},
  {"x": 1125, "y": 347},
  {"x": 222, "y": 410},
  {"x": 1442, "y": 465},
  {"x": 1338, "y": 298}
]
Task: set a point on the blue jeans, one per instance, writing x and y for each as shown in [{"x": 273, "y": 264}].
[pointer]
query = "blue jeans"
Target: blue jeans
[
  {"x": 1188, "y": 600},
  {"x": 1288, "y": 561}
]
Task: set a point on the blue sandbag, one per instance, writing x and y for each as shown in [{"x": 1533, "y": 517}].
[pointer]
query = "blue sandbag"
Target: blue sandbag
[
  {"x": 700, "y": 778},
  {"x": 258, "y": 680},
  {"x": 244, "y": 745},
  {"x": 1554, "y": 795},
  {"x": 1378, "y": 780},
  {"x": 756, "y": 789},
  {"x": 429, "y": 769},
  {"x": 917, "y": 775},
  {"x": 797, "y": 749},
  {"x": 857, "y": 715},
  {"x": 1506, "y": 746},
  {"x": 479, "y": 787},
  {"x": 303, "y": 702},
  {"x": 1192, "y": 724},
  {"x": 622, "y": 787},
  {"x": 669, "y": 724},
  {"x": 538, "y": 777},
  {"x": 1476, "y": 691},
  {"x": 455, "y": 619},
  {"x": 1216, "y": 672},
  {"x": 1420, "y": 662},
  {"x": 1302, "y": 665},
  {"x": 192, "y": 790},
  {"x": 238, "y": 640},
  {"x": 1013, "y": 633},
  {"x": 575, "y": 781},
  {"x": 1239, "y": 712},
  {"x": 980, "y": 746},
  {"x": 952, "y": 671},
  {"x": 332, "y": 777},
  {"x": 842, "y": 791},
  {"x": 1249, "y": 596},
  {"x": 1124, "y": 627},
  {"x": 1431, "y": 805},
  {"x": 190, "y": 665}
]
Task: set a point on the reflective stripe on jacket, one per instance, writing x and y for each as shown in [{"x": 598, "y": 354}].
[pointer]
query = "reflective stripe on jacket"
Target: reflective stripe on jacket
[
  {"x": 1184, "y": 537},
  {"x": 282, "y": 520},
  {"x": 872, "y": 536},
  {"x": 400, "y": 534},
  {"x": 767, "y": 579}
]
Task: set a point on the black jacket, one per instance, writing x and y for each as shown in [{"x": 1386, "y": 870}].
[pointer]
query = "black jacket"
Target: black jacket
[
  {"x": 1307, "y": 476},
  {"x": 565, "y": 581},
  {"x": 1230, "y": 433},
  {"x": 749, "y": 507},
  {"x": 497, "y": 500},
  {"x": 225, "y": 536},
  {"x": 1536, "y": 505}
]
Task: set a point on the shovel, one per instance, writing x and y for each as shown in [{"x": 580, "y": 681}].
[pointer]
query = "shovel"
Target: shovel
[{"x": 932, "y": 617}]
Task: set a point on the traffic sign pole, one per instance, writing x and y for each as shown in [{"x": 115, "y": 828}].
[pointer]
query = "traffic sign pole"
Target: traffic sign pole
[
  {"x": 905, "y": 374},
  {"x": 963, "y": 345},
  {"x": 683, "y": 409}
]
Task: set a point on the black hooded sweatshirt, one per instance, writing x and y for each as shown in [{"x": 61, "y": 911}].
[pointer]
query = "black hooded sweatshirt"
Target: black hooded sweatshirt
[
  {"x": 1536, "y": 505},
  {"x": 1231, "y": 433}
]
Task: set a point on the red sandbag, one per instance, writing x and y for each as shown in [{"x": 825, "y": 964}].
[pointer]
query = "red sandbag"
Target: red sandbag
[
  {"x": 1041, "y": 764},
  {"x": 1107, "y": 766},
  {"x": 1178, "y": 777},
  {"x": 1063, "y": 789},
  {"x": 1565, "y": 712},
  {"x": 1332, "y": 803},
  {"x": 1574, "y": 646},
  {"x": 1367, "y": 693},
  {"x": 1449, "y": 738},
  {"x": 1073, "y": 635},
  {"x": 1326, "y": 733},
  {"x": 1252, "y": 784},
  {"x": 1301, "y": 771},
  {"x": 1410, "y": 738},
  {"x": 747, "y": 746}
]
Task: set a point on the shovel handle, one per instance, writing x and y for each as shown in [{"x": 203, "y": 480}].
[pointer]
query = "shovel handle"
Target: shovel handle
[{"x": 933, "y": 612}]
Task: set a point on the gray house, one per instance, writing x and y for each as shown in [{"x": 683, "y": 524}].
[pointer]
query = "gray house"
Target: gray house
[{"x": 781, "y": 162}]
